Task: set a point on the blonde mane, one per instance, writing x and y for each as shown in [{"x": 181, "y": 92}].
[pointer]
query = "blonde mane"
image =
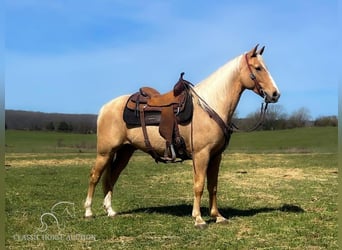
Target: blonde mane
[{"x": 216, "y": 87}]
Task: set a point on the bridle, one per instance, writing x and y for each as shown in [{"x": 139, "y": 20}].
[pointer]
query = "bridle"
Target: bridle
[
  {"x": 263, "y": 107},
  {"x": 254, "y": 79},
  {"x": 229, "y": 128}
]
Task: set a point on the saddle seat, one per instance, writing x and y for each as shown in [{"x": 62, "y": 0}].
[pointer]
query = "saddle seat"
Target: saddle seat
[
  {"x": 155, "y": 102},
  {"x": 149, "y": 107}
]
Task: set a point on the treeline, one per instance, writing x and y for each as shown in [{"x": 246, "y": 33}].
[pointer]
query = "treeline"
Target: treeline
[
  {"x": 276, "y": 118},
  {"x": 27, "y": 120}
]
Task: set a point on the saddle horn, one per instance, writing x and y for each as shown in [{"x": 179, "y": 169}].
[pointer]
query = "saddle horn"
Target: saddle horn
[{"x": 179, "y": 87}]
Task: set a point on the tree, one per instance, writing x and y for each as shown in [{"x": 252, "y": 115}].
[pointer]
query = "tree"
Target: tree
[
  {"x": 63, "y": 126},
  {"x": 324, "y": 121},
  {"x": 50, "y": 126},
  {"x": 275, "y": 118},
  {"x": 299, "y": 118}
]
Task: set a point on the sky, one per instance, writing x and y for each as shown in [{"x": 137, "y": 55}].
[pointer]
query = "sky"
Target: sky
[{"x": 74, "y": 56}]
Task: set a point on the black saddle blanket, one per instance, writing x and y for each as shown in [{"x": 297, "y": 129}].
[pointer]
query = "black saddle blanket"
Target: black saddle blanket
[{"x": 152, "y": 117}]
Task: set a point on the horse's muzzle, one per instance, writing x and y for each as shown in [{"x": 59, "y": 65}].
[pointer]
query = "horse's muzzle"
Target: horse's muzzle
[{"x": 272, "y": 98}]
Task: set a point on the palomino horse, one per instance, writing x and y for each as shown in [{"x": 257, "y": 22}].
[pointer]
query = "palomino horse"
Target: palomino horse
[{"x": 221, "y": 91}]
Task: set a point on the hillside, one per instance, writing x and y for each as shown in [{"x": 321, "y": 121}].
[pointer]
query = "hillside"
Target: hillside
[
  {"x": 27, "y": 120},
  {"x": 86, "y": 123}
]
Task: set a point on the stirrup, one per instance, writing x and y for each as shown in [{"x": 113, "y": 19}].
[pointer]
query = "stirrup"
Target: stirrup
[{"x": 166, "y": 158}]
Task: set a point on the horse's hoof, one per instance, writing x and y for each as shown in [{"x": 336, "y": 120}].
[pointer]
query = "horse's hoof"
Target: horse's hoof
[
  {"x": 111, "y": 215},
  {"x": 202, "y": 226},
  {"x": 221, "y": 220}
]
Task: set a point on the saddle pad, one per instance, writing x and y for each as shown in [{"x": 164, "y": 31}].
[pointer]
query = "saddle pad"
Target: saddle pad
[{"x": 132, "y": 117}]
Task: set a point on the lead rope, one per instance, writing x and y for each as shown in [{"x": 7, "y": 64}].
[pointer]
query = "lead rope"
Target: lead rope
[{"x": 263, "y": 110}]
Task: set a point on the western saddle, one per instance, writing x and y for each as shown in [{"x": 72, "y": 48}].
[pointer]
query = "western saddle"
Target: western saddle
[{"x": 149, "y": 107}]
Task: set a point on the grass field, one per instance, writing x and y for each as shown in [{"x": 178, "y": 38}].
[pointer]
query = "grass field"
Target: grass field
[{"x": 278, "y": 189}]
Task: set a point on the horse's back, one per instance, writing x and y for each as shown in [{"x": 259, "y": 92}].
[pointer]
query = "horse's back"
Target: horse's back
[
  {"x": 113, "y": 106},
  {"x": 111, "y": 129}
]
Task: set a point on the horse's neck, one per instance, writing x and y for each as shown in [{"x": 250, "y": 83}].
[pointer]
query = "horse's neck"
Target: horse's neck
[{"x": 222, "y": 89}]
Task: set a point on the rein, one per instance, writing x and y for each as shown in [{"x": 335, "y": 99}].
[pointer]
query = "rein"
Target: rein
[
  {"x": 263, "y": 110},
  {"x": 227, "y": 130},
  {"x": 231, "y": 127}
]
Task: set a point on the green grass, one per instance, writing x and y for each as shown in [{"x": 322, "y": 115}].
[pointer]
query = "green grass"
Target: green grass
[
  {"x": 314, "y": 139},
  {"x": 48, "y": 142},
  {"x": 275, "y": 197}
]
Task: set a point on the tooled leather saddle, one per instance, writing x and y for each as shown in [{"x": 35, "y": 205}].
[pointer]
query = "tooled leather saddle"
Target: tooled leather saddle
[{"x": 150, "y": 108}]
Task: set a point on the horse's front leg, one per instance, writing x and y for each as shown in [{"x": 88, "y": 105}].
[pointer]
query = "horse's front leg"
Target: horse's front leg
[
  {"x": 200, "y": 164},
  {"x": 212, "y": 178}
]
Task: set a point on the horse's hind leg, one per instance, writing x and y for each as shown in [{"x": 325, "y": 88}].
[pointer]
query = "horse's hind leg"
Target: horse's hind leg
[
  {"x": 112, "y": 174},
  {"x": 102, "y": 162}
]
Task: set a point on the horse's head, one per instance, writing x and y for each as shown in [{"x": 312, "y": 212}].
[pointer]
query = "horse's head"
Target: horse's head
[{"x": 255, "y": 76}]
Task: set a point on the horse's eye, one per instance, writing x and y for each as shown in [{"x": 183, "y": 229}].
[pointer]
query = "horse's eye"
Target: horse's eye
[{"x": 258, "y": 68}]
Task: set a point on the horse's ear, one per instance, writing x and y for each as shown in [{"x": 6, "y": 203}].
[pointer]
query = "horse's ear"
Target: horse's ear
[
  {"x": 254, "y": 51},
  {"x": 262, "y": 50}
]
